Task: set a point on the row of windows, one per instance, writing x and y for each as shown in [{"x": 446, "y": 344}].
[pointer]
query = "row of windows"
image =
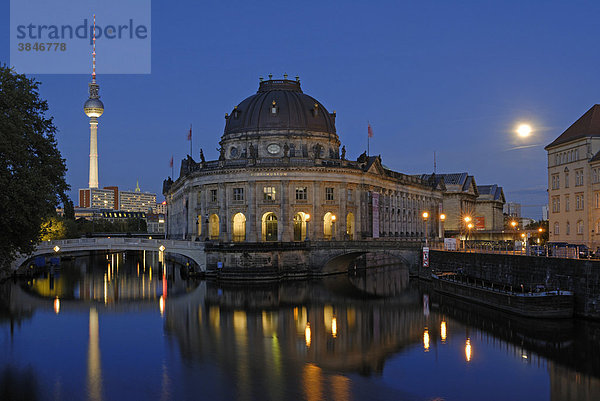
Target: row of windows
[
  {"x": 579, "y": 202},
  {"x": 566, "y": 157},
  {"x": 270, "y": 194},
  {"x": 555, "y": 179},
  {"x": 580, "y": 227}
]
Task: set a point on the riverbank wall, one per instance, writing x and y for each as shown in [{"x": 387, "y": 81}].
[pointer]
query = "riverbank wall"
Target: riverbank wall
[{"x": 582, "y": 276}]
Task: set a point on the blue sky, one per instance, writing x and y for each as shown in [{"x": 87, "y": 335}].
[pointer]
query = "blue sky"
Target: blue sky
[{"x": 449, "y": 77}]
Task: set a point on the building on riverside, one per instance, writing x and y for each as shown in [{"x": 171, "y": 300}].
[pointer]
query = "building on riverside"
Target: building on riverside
[
  {"x": 282, "y": 175},
  {"x": 574, "y": 182}
]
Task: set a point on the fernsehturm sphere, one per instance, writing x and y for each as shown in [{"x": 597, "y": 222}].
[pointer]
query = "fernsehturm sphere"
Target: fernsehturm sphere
[{"x": 93, "y": 108}]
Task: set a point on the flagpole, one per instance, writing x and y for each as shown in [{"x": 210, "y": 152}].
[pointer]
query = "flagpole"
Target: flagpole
[
  {"x": 191, "y": 154},
  {"x": 368, "y": 139}
]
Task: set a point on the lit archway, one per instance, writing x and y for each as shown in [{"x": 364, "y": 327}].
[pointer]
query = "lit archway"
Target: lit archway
[
  {"x": 300, "y": 226},
  {"x": 239, "y": 227},
  {"x": 269, "y": 227},
  {"x": 213, "y": 226},
  {"x": 350, "y": 226},
  {"x": 328, "y": 225}
]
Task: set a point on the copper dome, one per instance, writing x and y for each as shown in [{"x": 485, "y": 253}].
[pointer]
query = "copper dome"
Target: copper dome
[{"x": 282, "y": 106}]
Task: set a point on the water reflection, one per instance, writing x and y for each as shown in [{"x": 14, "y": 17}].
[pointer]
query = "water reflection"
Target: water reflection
[{"x": 342, "y": 337}]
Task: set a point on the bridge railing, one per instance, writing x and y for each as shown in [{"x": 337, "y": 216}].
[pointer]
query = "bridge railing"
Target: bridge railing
[{"x": 91, "y": 242}]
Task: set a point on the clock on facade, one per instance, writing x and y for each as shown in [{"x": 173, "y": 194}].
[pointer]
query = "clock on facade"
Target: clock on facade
[{"x": 273, "y": 148}]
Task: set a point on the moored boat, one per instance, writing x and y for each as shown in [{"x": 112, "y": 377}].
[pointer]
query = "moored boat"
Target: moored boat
[{"x": 538, "y": 302}]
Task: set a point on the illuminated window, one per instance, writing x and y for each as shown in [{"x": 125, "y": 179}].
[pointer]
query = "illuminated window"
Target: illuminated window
[{"x": 269, "y": 193}]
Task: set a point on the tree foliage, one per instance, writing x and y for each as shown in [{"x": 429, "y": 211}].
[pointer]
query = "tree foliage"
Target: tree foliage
[{"x": 32, "y": 171}]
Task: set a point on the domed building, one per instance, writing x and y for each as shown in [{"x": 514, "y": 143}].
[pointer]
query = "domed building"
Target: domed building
[{"x": 282, "y": 177}]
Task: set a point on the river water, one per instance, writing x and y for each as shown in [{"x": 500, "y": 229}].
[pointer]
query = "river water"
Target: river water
[{"x": 128, "y": 327}]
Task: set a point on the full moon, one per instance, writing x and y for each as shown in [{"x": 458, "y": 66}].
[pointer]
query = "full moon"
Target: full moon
[{"x": 524, "y": 130}]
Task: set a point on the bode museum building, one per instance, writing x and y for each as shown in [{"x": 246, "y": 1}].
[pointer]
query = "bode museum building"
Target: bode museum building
[{"x": 282, "y": 175}]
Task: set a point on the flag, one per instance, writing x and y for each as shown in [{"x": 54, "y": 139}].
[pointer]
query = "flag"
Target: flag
[
  {"x": 370, "y": 131},
  {"x": 190, "y": 133},
  {"x": 171, "y": 162}
]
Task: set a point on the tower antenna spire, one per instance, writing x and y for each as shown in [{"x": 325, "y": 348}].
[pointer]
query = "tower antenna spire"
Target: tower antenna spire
[{"x": 94, "y": 52}]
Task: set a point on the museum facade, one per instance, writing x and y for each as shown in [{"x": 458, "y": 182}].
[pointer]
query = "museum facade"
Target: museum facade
[{"x": 281, "y": 176}]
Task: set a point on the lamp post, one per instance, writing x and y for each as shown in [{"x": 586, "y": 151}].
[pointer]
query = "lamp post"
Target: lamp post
[
  {"x": 442, "y": 220},
  {"x": 469, "y": 228},
  {"x": 426, "y": 218},
  {"x": 514, "y": 226},
  {"x": 467, "y": 220},
  {"x": 333, "y": 218}
]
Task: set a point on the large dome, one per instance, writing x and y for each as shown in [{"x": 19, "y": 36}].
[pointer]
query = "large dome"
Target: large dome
[{"x": 280, "y": 105}]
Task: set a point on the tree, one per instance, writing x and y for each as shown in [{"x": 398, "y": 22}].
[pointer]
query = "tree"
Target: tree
[{"x": 32, "y": 171}]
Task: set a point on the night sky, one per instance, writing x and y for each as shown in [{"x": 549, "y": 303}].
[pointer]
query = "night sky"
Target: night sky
[{"x": 451, "y": 77}]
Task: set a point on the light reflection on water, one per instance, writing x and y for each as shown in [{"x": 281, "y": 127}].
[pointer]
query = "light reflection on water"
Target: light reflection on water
[{"x": 130, "y": 327}]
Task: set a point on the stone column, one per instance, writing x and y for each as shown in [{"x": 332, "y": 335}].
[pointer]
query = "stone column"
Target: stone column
[
  {"x": 252, "y": 209},
  {"x": 343, "y": 193},
  {"x": 223, "y": 214},
  {"x": 283, "y": 226},
  {"x": 319, "y": 213}
]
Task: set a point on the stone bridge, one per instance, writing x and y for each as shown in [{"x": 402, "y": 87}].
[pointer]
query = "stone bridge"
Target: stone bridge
[
  {"x": 189, "y": 249},
  {"x": 296, "y": 259},
  {"x": 274, "y": 259}
]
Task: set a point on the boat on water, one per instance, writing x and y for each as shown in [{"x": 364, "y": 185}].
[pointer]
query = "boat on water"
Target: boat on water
[{"x": 536, "y": 302}]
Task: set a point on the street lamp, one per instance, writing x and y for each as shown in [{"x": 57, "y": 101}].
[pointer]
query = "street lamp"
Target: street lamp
[
  {"x": 468, "y": 225},
  {"x": 514, "y": 226},
  {"x": 426, "y": 218},
  {"x": 442, "y": 220},
  {"x": 333, "y": 218},
  {"x": 306, "y": 219}
]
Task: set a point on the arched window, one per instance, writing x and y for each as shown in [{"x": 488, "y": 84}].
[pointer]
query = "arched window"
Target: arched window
[
  {"x": 239, "y": 227},
  {"x": 328, "y": 225},
  {"x": 269, "y": 227},
  {"x": 213, "y": 226},
  {"x": 300, "y": 225},
  {"x": 350, "y": 226},
  {"x": 580, "y": 227}
]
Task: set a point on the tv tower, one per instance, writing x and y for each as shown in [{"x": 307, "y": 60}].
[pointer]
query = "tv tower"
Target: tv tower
[{"x": 93, "y": 108}]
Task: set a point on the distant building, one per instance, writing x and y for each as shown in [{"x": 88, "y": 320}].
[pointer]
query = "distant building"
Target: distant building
[
  {"x": 545, "y": 212},
  {"x": 97, "y": 198},
  {"x": 489, "y": 206},
  {"x": 482, "y": 205},
  {"x": 155, "y": 223},
  {"x": 574, "y": 182},
  {"x": 160, "y": 208},
  {"x": 133, "y": 201},
  {"x": 112, "y": 198},
  {"x": 513, "y": 209}
]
